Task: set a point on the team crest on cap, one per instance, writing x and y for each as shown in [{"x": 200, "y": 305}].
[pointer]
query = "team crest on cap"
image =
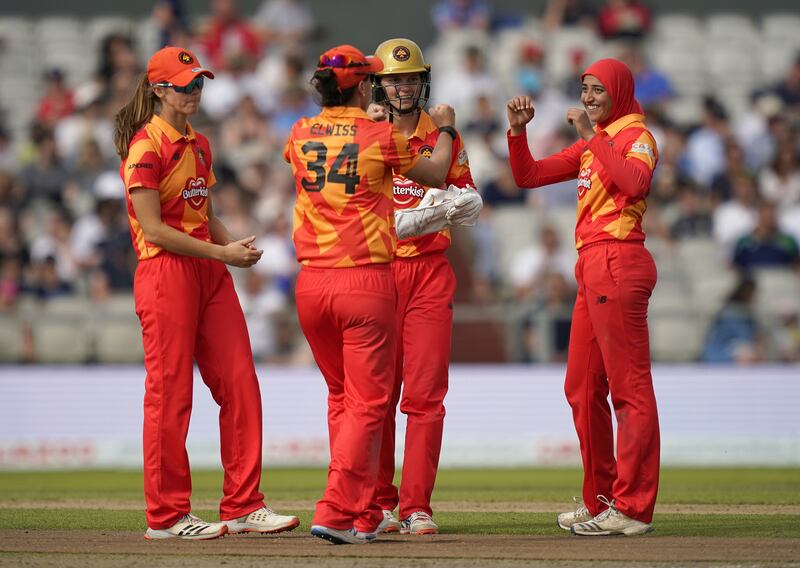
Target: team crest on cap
[
  {"x": 401, "y": 53},
  {"x": 426, "y": 151},
  {"x": 185, "y": 58}
]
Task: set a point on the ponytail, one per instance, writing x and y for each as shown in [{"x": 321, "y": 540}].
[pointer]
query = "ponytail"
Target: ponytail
[
  {"x": 324, "y": 82},
  {"x": 133, "y": 116}
]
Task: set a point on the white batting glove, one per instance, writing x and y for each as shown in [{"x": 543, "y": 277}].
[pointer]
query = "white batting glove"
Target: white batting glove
[{"x": 466, "y": 207}]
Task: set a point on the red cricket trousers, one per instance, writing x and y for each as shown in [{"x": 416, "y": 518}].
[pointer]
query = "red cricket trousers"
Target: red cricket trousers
[
  {"x": 424, "y": 322},
  {"x": 189, "y": 311},
  {"x": 347, "y": 316},
  {"x": 609, "y": 351}
]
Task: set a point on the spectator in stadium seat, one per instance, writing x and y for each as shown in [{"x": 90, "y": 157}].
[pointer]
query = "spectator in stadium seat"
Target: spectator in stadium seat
[
  {"x": 10, "y": 282},
  {"x": 766, "y": 246},
  {"x": 692, "y": 217},
  {"x": 227, "y": 36},
  {"x": 735, "y": 167},
  {"x": 57, "y": 101},
  {"x": 568, "y": 13},
  {"x": 461, "y": 14},
  {"x": 734, "y": 336},
  {"x": 789, "y": 89},
  {"x": 780, "y": 182},
  {"x": 461, "y": 86},
  {"x": 653, "y": 88},
  {"x": 286, "y": 23},
  {"x": 8, "y": 160},
  {"x": 169, "y": 17},
  {"x": 532, "y": 266},
  {"x": 552, "y": 315},
  {"x": 43, "y": 180},
  {"x": 624, "y": 19},
  {"x": 736, "y": 217},
  {"x": 705, "y": 147},
  {"x": 44, "y": 282}
]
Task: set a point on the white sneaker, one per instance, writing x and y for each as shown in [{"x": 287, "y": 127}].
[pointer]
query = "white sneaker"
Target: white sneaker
[
  {"x": 189, "y": 527},
  {"x": 389, "y": 524},
  {"x": 337, "y": 536},
  {"x": 611, "y": 522},
  {"x": 419, "y": 523},
  {"x": 263, "y": 520},
  {"x": 579, "y": 515}
]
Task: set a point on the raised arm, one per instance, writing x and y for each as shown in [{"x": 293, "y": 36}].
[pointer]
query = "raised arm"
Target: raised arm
[{"x": 532, "y": 173}]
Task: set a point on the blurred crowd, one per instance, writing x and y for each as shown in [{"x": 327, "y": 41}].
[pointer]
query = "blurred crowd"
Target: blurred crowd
[{"x": 731, "y": 177}]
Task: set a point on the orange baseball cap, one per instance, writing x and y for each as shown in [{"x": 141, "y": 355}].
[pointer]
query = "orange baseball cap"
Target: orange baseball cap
[
  {"x": 349, "y": 65},
  {"x": 175, "y": 65}
]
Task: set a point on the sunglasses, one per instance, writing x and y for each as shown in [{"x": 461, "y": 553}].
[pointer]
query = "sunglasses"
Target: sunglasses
[
  {"x": 196, "y": 83},
  {"x": 340, "y": 61}
]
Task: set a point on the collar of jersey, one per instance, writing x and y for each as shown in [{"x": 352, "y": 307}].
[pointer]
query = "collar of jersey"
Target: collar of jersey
[
  {"x": 170, "y": 131},
  {"x": 614, "y": 128},
  {"x": 343, "y": 112},
  {"x": 425, "y": 126}
]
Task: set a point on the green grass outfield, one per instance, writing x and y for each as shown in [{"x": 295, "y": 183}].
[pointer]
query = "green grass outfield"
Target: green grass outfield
[{"x": 20, "y": 492}]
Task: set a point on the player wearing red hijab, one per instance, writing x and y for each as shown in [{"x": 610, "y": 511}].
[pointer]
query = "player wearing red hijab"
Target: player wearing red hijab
[{"x": 609, "y": 347}]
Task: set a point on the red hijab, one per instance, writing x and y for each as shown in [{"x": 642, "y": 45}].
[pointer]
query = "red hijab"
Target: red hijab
[{"x": 618, "y": 81}]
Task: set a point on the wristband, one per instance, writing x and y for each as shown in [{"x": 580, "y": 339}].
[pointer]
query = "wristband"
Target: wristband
[{"x": 449, "y": 130}]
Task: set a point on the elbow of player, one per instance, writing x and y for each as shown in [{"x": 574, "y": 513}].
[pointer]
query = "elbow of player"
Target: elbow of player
[{"x": 153, "y": 235}]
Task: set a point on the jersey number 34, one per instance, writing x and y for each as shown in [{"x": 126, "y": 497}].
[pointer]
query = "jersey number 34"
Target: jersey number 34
[{"x": 347, "y": 160}]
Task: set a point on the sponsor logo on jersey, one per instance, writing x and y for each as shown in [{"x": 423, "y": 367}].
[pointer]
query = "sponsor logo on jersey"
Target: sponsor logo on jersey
[
  {"x": 138, "y": 165},
  {"x": 196, "y": 192},
  {"x": 185, "y": 58},
  {"x": 426, "y": 151},
  {"x": 642, "y": 148},
  {"x": 401, "y": 53},
  {"x": 584, "y": 181},
  {"x": 406, "y": 191},
  {"x": 201, "y": 156}
]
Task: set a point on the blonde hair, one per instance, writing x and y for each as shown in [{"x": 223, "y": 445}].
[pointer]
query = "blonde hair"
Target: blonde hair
[{"x": 134, "y": 115}]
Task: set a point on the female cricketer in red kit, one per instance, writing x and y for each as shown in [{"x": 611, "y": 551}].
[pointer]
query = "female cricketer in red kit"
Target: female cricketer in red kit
[
  {"x": 425, "y": 286},
  {"x": 609, "y": 347},
  {"x": 346, "y": 297},
  {"x": 187, "y": 306}
]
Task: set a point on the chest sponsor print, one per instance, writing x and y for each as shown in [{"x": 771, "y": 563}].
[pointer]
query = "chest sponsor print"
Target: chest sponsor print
[
  {"x": 584, "y": 182},
  {"x": 196, "y": 192},
  {"x": 406, "y": 191}
]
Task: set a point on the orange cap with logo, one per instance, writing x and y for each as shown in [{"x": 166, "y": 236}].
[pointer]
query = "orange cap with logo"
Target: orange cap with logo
[
  {"x": 349, "y": 65},
  {"x": 176, "y": 66}
]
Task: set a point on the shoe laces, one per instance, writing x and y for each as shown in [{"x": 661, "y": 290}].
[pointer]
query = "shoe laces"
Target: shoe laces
[
  {"x": 581, "y": 507},
  {"x": 194, "y": 519},
  {"x": 418, "y": 516},
  {"x": 612, "y": 510}
]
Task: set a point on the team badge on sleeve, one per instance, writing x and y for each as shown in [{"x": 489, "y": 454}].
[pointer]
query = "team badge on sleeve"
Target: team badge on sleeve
[
  {"x": 462, "y": 157},
  {"x": 643, "y": 148}
]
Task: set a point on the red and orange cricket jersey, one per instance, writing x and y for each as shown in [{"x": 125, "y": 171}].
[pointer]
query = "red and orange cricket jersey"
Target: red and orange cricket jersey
[
  {"x": 604, "y": 212},
  {"x": 342, "y": 163},
  {"x": 408, "y": 193},
  {"x": 176, "y": 165}
]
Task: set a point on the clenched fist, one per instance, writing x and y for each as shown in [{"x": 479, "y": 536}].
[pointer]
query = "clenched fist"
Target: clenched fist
[
  {"x": 520, "y": 112},
  {"x": 443, "y": 115}
]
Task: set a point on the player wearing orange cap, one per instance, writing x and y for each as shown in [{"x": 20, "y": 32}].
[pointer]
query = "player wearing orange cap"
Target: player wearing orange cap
[
  {"x": 425, "y": 287},
  {"x": 187, "y": 306},
  {"x": 344, "y": 235}
]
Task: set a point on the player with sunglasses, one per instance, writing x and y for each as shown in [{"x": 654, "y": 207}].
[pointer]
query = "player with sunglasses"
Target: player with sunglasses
[
  {"x": 344, "y": 236},
  {"x": 187, "y": 306}
]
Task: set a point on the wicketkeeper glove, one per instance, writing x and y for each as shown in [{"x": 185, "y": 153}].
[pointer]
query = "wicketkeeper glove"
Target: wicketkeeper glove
[
  {"x": 430, "y": 216},
  {"x": 466, "y": 206}
]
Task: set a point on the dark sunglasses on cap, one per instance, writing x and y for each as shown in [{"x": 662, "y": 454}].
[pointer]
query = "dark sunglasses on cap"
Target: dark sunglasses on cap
[
  {"x": 340, "y": 61},
  {"x": 196, "y": 83}
]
